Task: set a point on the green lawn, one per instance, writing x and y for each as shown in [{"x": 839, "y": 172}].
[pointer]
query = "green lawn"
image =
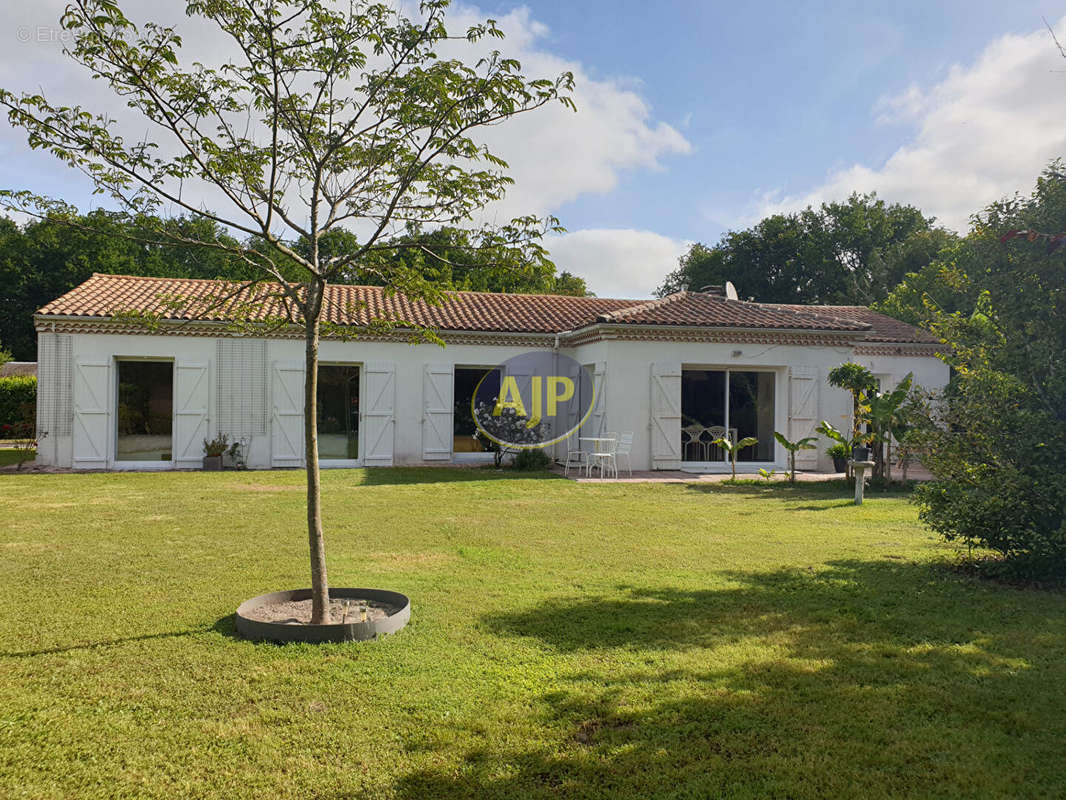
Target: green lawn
[
  {"x": 566, "y": 641},
  {"x": 9, "y": 456}
]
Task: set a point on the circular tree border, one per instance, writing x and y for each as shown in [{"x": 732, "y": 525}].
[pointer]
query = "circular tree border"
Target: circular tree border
[{"x": 334, "y": 632}]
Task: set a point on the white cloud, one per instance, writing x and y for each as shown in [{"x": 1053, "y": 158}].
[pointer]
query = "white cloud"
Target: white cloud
[
  {"x": 555, "y": 155},
  {"x": 982, "y": 133},
  {"x": 617, "y": 262}
]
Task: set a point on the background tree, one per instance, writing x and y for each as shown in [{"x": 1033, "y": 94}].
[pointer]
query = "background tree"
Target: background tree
[
  {"x": 328, "y": 117},
  {"x": 45, "y": 258},
  {"x": 997, "y": 442},
  {"x": 845, "y": 253}
]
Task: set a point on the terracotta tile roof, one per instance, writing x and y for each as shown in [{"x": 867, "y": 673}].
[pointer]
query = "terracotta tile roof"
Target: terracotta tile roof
[
  {"x": 710, "y": 310},
  {"x": 105, "y": 295},
  {"x": 882, "y": 328}
]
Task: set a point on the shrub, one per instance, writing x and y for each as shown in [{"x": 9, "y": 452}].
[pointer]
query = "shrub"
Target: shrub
[
  {"x": 838, "y": 450},
  {"x": 532, "y": 459},
  {"x": 18, "y": 402}
]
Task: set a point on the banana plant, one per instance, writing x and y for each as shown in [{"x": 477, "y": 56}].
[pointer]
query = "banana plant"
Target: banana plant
[
  {"x": 734, "y": 448},
  {"x": 806, "y": 443},
  {"x": 888, "y": 419}
]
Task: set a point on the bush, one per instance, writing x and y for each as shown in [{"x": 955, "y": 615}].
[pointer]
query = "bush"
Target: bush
[
  {"x": 998, "y": 462},
  {"x": 18, "y": 402},
  {"x": 838, "y": 450},
  {"x": 532, "y": 459}
]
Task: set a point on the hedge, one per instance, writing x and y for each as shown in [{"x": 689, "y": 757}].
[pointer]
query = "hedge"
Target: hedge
[{"x": 18, "y": 400}]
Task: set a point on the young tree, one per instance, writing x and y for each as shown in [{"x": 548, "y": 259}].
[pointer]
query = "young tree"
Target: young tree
[
  {"x": 887, "y": 415},
  {"x": 806, "y": 443},
  {"x": 328, "y": 117},
  {"x": 858, "y": 380},
  {"x": 734, "y": 448}
]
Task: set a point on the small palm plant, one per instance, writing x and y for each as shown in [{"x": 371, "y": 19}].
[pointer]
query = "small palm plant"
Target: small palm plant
[
  {"x": 734, "y": 448},
  {"x": 806, "y": 443}
]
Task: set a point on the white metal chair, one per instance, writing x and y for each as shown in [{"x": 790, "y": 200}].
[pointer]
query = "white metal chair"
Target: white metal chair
[
  {"x": 690, "y": 438},
  {"x": 603, "y": 457},
  {"x": 715, "y": 451},
  {"x": 624, "y": 448},
  {"x": 575, "y": 456}
]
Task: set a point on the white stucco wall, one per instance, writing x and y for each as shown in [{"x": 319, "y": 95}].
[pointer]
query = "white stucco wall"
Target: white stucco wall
[{"x": 627, "y": 388}]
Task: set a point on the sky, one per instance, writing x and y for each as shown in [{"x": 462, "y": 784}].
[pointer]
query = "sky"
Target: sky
[{"x": 695, "y": 118}]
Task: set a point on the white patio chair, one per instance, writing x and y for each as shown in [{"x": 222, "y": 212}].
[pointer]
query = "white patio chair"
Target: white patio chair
[
  {"x": 603, "y": 457},
  {"x": 575, "y": 456},
  {"x": 690, "y": 438},
  {"x": 624, "y": 448},
  {"x": 714, "y": 451}
]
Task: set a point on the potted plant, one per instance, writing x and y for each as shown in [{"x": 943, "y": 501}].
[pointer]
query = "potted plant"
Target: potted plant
[
  {"x": 213, "y": 452},
  {"x": 839, "y": 453}
]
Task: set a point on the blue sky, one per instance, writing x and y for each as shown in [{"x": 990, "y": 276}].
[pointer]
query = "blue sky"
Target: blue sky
[
  {"x": 699, "y": 117},
  {"x": 771, "y": 95}
]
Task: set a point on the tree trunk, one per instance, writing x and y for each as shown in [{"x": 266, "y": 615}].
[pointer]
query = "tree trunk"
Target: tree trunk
[{"x": 319, "y": 583}]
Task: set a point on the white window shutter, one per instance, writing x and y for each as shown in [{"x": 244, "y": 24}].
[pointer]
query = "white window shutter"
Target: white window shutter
[
  {"x": 287, "y": 418},
  {"x": 803, "y": 411},
  {"x": 666, "y": 415},
  {"x": 379, "y": 416},
  {"x": 92, "y": 418},
  {"x": 597, "y": 424},
  {"x": 438, "y": 385},
  {"x": 192, "y": 396}
]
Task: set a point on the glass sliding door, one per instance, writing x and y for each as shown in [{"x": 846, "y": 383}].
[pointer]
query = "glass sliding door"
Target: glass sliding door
[
  {"x": 338, "y": 412},
  {"x": 730, "y": 404},
  {"x": 145, "y": 416},
  {"x": 751, "y": 412},
  {"x": 703, "y": 414},
  {"x": 463, "y": 427}
]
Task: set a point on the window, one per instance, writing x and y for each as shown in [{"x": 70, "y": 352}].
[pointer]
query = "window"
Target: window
[
  {"x": 731, "y": 404},
  {"x": 338, "y": 412},
  {"x": 145, "y": 411},
  {"x": 463, "y": 427}
]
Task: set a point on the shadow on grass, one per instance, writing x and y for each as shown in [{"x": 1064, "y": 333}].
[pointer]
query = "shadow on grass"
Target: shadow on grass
[
  {"x": 860, "y": 679},
  {"x": 106, "y": 643},
  {"x": 391, "y": 476}
]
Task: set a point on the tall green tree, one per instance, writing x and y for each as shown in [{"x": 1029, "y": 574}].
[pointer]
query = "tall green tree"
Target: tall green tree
[
  {"x": 998, "y": 445},
  {"x": 327, "y": 117},
  {"x": 848, "y": 252}
]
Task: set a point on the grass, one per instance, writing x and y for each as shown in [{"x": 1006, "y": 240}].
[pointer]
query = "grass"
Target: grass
[
  {"x": 10, "y": 456},
  {"x": 567, "y": 640}
]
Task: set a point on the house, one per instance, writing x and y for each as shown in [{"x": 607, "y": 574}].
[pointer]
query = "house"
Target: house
[{"x": 114, "y": 394}]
